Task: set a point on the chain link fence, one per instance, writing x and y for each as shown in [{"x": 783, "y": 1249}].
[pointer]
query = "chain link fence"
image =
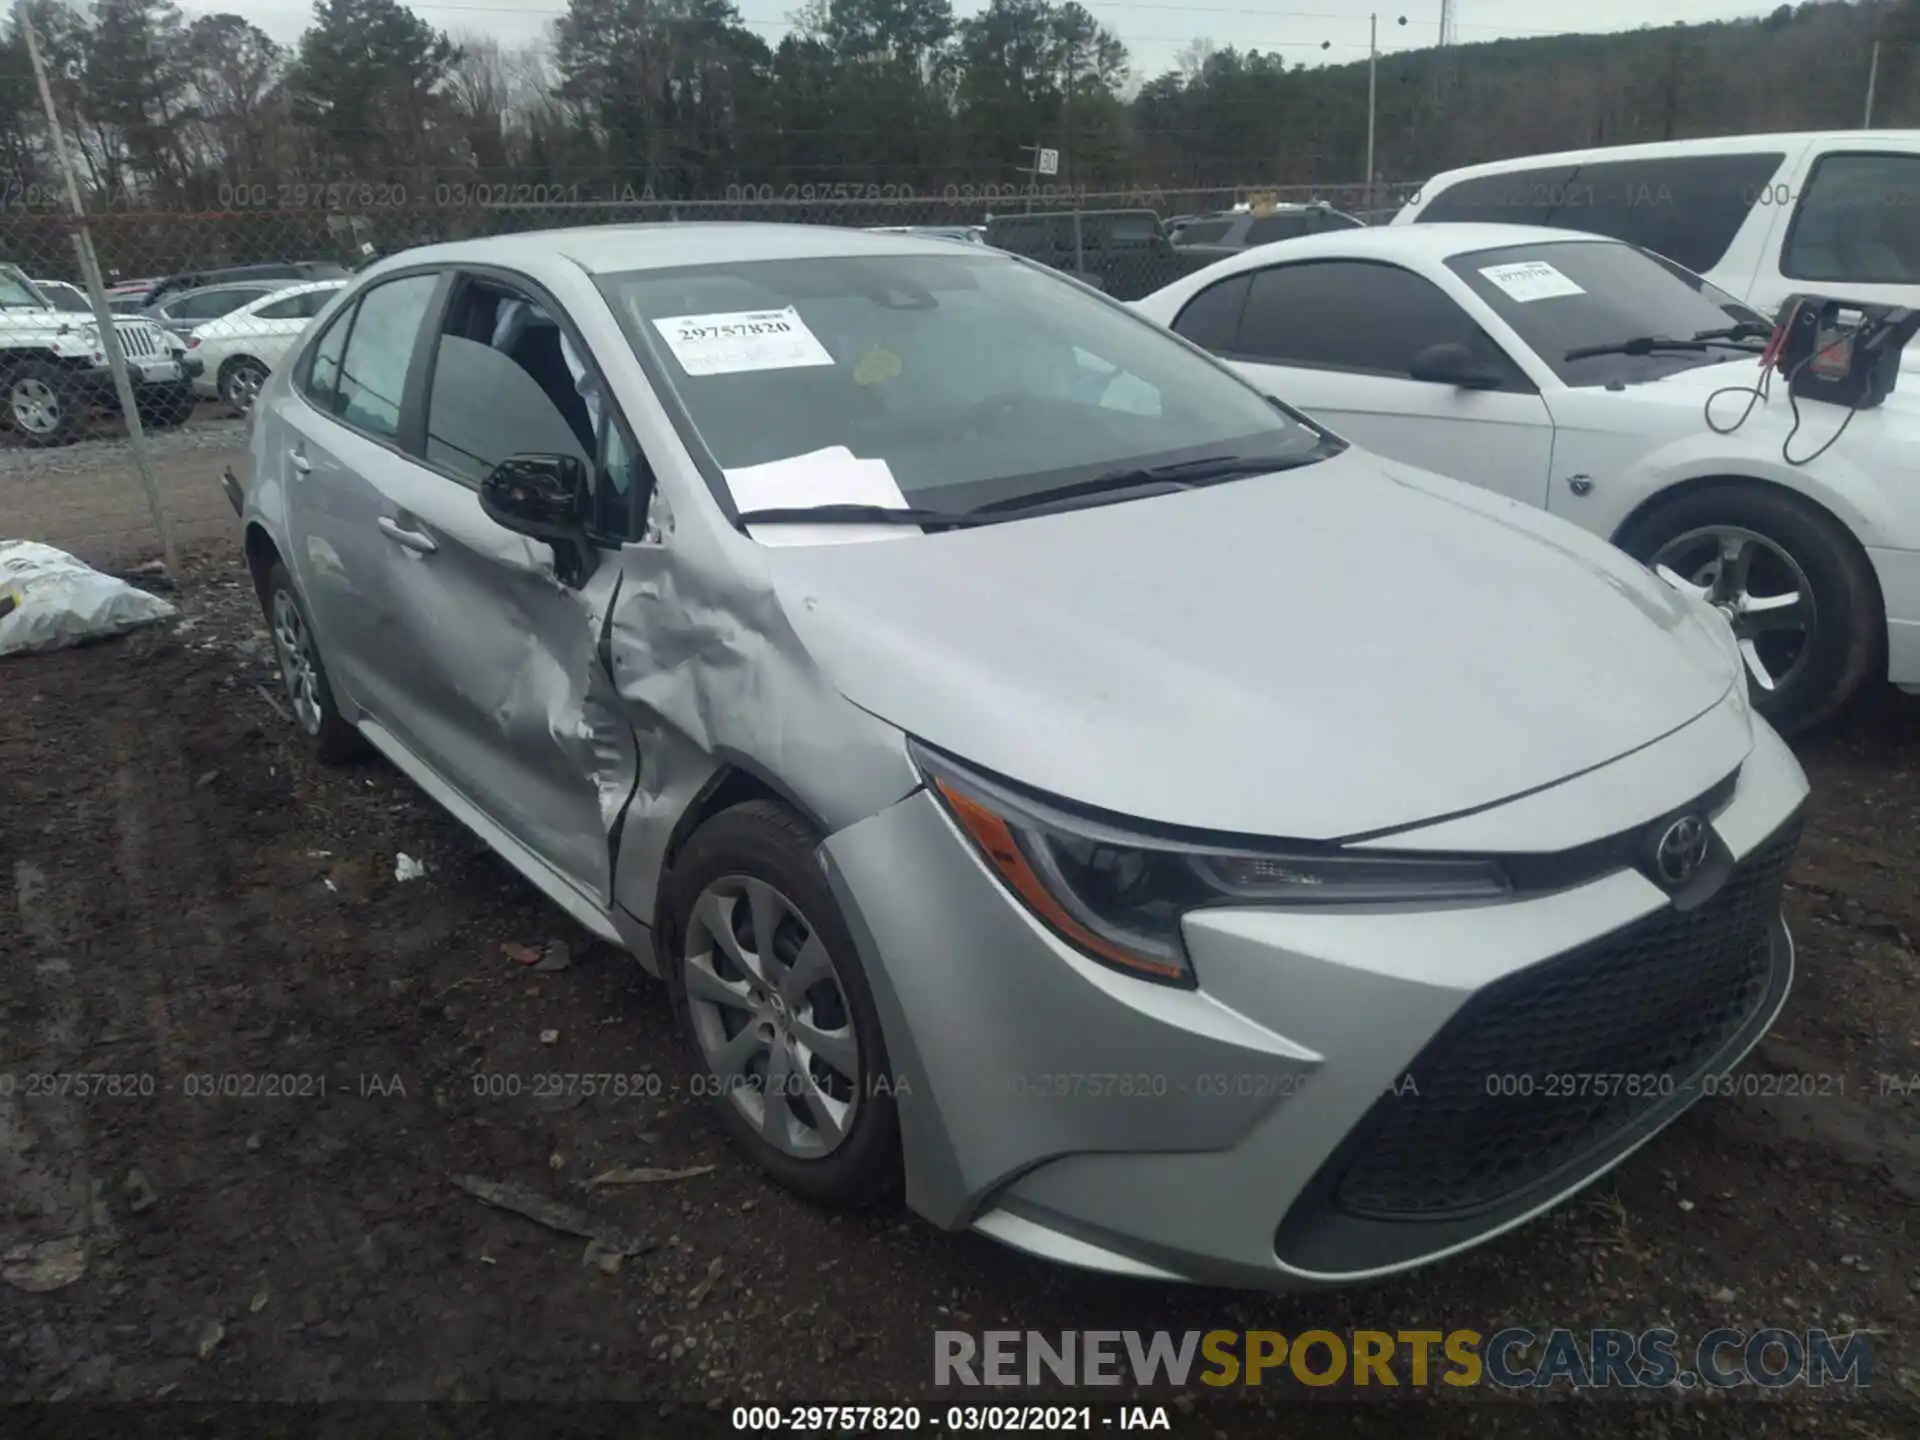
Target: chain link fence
[{"x": 206, "y": 303}]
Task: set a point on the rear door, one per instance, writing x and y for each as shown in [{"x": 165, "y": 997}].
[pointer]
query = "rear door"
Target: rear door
[
  {"x": 1337, "y": 338},
  {"x": 502, "y": 642},
  {"x": 335, "y": 434}
]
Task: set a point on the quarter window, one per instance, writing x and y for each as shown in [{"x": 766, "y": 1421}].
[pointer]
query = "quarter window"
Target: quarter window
[
  {"x": 1858, "y": 222},
  {"x": 322, "y": 379},
  {"x": 373, "y": 372},
  {"x": 296, "y": 307}
]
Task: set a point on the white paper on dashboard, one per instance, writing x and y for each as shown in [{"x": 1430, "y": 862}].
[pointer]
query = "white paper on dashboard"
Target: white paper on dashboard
[
  {"x": 733, "y": 341},
  {"x": 1530, "y": 280},
  {"x": 834, "y": 476}
]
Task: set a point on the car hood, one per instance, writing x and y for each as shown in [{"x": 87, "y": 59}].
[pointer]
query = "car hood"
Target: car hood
[
  {"x": 1690, "y": 388},
  {"x": 1321, "y": 653}
]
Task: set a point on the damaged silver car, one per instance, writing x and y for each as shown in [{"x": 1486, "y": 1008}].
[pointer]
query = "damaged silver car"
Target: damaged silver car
[{"x": 1047, "y": 772}]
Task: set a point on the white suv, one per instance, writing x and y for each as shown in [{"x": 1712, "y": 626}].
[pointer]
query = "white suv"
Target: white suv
[
  {"x": 1761, "y": 216},
  {"x": 53, "y": 367}
]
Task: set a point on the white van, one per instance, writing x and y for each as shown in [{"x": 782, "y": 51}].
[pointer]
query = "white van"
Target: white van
[{"x": 1761, "y": 216}]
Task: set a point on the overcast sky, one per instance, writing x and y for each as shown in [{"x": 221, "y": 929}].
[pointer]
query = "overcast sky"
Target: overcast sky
[{"x": 1155, "y": 31}]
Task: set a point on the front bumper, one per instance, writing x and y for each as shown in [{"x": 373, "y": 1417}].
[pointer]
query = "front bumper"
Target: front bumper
[{"x": 1259, "y": 1131}]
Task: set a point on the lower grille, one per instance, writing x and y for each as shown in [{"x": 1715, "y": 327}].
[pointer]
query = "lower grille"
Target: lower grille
[{"x": 1546, "y": 1067}]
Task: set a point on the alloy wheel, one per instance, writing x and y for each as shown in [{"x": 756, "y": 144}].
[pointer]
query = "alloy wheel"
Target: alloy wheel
[
  {"x": 294, "y": 643},
  {"x": 771, "y": 1016},
  {"x": 36, "y": 408},
  {"x": 243, "y": 386},
  {"x": 1760, "y": 588}
]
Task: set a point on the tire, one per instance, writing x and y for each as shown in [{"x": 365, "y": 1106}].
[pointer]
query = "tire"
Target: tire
[
  {"x": 763, "y": 844},
  {"x": 1847, "y": 634},
  {"x": 166, "y": 409},
  {"x": 240, "y": 380},
  {"x": 309, "y": 692},
  {"x": 44, "y": 404}
]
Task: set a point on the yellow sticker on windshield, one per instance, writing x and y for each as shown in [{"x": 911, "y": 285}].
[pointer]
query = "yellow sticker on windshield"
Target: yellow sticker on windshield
[{"x": 876, "y": 367}]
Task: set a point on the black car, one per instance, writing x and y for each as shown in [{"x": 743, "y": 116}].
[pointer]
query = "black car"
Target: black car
[
  {"x": 290, "y": 272},
  {"x": 1124, "y": 252}
]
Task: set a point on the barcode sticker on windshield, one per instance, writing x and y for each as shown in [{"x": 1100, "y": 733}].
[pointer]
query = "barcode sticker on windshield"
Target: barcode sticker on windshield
[
  {"x": 727, "y": 344},
  {"x": 1531, "y": 280}
]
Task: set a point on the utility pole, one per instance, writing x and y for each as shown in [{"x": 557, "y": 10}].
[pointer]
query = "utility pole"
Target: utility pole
[
  {"x": 97, "y": 296},
  {"x": 1373, "y": 66},
  {"x": 1873, "y": 74}
]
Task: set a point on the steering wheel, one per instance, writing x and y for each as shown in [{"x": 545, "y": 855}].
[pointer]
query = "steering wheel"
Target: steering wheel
[{"x": 978, "y": 415}]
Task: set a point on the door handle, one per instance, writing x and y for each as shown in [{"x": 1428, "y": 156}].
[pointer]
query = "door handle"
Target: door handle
[
  {"x": 412, "y": 540},
  {"x": 299, "y": 462}
]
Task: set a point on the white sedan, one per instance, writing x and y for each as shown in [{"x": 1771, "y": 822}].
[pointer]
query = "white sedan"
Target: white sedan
[
  {"x": 240, "y": 349},
  {"x": 1576, "y": 374}
]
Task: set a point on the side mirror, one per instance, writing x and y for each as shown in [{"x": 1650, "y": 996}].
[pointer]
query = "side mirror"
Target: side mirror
[
  {"x": 543, "y": 496},
  {"x": 1455, "y": 365}
]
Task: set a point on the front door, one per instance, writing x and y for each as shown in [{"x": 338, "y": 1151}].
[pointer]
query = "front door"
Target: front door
[{"x": 1337, "y": 339}]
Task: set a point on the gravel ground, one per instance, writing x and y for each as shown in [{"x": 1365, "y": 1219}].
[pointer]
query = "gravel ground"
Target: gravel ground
[{"x": 186, "y": 894}]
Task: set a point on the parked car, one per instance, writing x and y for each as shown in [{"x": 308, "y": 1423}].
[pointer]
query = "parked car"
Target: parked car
[
  {"x": 1124, "y": 252},
  {"x": 54, "y": 369},
  {"x": 184, "y": 311},
  {"x": 70, "y": 299},
  {"x": 238, "y": 350},
  {"x": 1022, "y": 694},
  {"x": 1450, "y": 346},
  {"x": 1230, "y": 231},
  {"x": 1761, "y": 216},
  {"x": 289, "y": 272}
]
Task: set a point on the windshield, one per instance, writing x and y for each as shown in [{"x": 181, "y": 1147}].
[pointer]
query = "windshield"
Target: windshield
[
  {"x": 17, "y": 294},
  {"x": 65, "y": 297},
  {"x": 974, "y": 380},
  {"x": 1577, "y": 293}
]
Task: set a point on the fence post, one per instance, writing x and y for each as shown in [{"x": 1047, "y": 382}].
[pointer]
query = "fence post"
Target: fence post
[{"x": 102, "y": 312}]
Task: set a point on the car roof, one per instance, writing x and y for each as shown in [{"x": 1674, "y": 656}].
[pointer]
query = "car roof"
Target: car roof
[
  {"x": 1415, "y": 244},
  {"x": 1667, "y": 149},
  {"x": 665, "y": 245}
]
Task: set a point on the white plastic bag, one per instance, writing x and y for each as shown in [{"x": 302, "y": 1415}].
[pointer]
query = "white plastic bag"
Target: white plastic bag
[{"x": 49, "y": 600}]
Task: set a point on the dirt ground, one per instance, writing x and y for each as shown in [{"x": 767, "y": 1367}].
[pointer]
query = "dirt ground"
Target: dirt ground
[{"x": 188, "y": 896}]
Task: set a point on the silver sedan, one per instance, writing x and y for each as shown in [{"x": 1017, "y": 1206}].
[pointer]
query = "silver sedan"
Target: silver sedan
[{"x": 1048, "y": 773}]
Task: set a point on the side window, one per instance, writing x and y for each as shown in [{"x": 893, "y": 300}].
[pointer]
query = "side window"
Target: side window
[
  {"x": 1311, "y": 314},
  {"x": 294, "y": 307},
  {"x": 1857, "y": 223},
  {"x": 314, "y": 301},
  {"x": 322, "y": 379},
  {"x": 502, "y": 386},
  {"x": 1270, "y": 228},
  {"x": 1212, "y": 318},
  {"x": 1512, "y": 197},
  {"x": 1685, "y": 207},
  {"x": 373, "y": 371}
]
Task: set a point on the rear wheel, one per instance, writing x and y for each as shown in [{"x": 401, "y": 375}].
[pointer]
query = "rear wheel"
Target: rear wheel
[
  {"x": 240, "y": 382},
  {"x": 1791, "y": 580},
  {"x": 302, "y": 672},
  {"x": 44, "y": 404}
]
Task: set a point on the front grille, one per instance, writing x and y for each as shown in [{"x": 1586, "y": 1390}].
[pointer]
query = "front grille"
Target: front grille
[
  {"x": 137, "y": 342},
  {"x": 1541, "y": 1070}
]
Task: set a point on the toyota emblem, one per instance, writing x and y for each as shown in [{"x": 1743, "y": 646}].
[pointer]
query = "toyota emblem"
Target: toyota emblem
[{"x": 1682, "y": 850}]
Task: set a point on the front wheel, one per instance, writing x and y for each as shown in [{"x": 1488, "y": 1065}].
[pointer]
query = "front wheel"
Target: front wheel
[
  {"x": 165, "y": 409},
  {"x": 766, "y": 976},
  {"x": 1792, "y": 581},
  {"x": 45, "y": 404}
]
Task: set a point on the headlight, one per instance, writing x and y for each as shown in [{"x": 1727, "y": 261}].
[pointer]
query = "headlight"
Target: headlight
[{"x": 1119, "y": 897}]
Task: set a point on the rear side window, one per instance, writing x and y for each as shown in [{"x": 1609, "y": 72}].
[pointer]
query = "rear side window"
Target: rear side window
[
  {"x": 373, "y": 372},
  {"x": 296, "y": 307},
  {"x": 1212, "y": 318},
  {"x": 1269, "y": 228},
  {"x": 1685, "y": 207},
  {"x": 1858, "y": 222},
  {"x": 1204, "y": 232}
]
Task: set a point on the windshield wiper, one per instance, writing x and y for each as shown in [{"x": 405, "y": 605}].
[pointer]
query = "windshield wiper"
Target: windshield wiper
[
  {"x": 1647, "y": 344},
  {"x": 1181, "y": 475},
  {"x": 863, "y": 515}
]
